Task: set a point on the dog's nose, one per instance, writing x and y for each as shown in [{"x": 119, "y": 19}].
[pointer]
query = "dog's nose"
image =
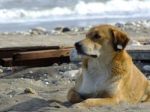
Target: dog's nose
[{"x": 78, "y": 45}]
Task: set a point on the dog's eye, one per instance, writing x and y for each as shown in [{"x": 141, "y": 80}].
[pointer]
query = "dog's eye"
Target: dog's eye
[{"x": 96, "y": 36}]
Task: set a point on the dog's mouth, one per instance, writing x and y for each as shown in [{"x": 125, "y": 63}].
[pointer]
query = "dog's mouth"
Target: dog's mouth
[{"x": 81, "y": 52}]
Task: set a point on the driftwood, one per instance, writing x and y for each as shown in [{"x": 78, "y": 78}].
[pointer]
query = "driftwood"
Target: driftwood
[{"x": 34, "y": 56}]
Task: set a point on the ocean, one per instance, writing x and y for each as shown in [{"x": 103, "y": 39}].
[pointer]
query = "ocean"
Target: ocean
[{"x": 20, "y": 15}]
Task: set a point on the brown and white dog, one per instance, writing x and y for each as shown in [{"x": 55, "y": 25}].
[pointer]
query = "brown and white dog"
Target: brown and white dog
[{"x": 108, "y": 74}]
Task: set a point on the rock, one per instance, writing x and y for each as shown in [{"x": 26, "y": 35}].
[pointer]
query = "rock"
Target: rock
[
  {"x": 38, "y": 30},
  {"x": 46, "y": 82},
  {"x": 135, "y": 43},
  {"x": 71, "y": 73},
  {"x": 120, "y": 25},
  {"x": 62, "y": 29},
  {"x": 65, "y": 29},
  {"x": 30, "y": 72},
  {"x": 79, "y": 29},
  {"x": 130, "y": 24},
  {"x": 146, "y": 68},
  {"x": 29, "y": 91},
  {"x": 1, "y": 70}
]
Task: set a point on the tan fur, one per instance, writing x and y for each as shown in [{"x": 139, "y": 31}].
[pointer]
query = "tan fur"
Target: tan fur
[{"x": 108, "y": 74}]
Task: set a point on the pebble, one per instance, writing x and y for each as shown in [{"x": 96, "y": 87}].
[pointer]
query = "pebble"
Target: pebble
[
  {"x": 135, "y": 43},
  {"x": 46, "y": 82},
  {"x": 120, "y": 25},
  {"x": 1, "y": 70},
  {"x": 71, "y": 73},
  {"x": 79, "y": 29},
  {"x": 29, "y": 91},
  {"x": 62, "y": 29},
  {"x": 38, "y": 30},
  {"x": 146, "y": 68},
  {"x": 31, "y": 72}
]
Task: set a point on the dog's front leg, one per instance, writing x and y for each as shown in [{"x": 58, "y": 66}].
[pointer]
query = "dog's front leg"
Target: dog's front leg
[
  {"x": 91, "y": 102},
  {"x": 74, "y": 96}
]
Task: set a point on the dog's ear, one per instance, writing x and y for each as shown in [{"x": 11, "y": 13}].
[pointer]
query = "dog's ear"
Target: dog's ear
[{"x": 119, "y": 39}]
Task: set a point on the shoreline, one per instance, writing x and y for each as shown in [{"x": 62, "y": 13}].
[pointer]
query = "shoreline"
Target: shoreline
[{"x": 39, "y": 36}]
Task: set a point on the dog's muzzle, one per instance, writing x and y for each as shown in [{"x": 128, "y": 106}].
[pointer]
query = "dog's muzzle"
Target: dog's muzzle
[
  {"x": 78, "y": 47},
  {"x": 81, "y": 51}
]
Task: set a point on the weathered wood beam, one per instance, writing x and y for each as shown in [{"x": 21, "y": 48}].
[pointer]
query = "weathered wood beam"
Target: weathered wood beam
[
  {"x": 9, "y": 52},
  {"x": 37, "y": 58},
  {"x": 41, "y": 54}
]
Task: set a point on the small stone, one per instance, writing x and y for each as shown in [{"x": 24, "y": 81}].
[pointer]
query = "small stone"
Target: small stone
[
  {"x": 129, "y": 23},
  {"x": 9, "y": 69},
  {"x": 1, "y": 70},
  {"x": 146, "y": 68},
  {"x": 46, "y": 82},
  {"x": 54, "y": 82},
  {"x": 148, "y": 77},
  {"x": 29, "y": 91},
  {"x": 135, "y": 43},
  {"x": 55, "y": 64},
  {"x": 38, "y": 30},
  {"x": 31, "y": 72},
  {"x": 45, "y": 74},
  {"x": 120, "y": 25},
  {"x": 71, "y": 73},
  {"x": 62, "y": 29},
  {"x": 65, "y": 29}
]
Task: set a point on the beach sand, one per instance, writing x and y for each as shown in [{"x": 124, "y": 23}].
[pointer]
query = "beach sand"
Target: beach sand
[{"x": 44, "y": 89}]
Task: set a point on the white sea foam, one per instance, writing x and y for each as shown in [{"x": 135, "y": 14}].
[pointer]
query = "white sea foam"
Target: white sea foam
[{"x": 82, "y": 10}]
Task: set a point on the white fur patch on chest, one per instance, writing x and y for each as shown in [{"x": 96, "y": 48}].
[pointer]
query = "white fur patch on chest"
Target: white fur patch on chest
[{"x": 95, "y": 79}]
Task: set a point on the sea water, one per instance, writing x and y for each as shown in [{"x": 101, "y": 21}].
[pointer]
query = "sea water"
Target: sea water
[{"x": 17, "y": 15}]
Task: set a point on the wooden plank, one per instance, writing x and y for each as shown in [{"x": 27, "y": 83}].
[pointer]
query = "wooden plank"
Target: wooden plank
[
  {"x": 41, "y": 54},
  {"x": 8, "y": 52}
]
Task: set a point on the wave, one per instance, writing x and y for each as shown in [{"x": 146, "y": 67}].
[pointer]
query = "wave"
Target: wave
[{"x": 82, "y": 10}]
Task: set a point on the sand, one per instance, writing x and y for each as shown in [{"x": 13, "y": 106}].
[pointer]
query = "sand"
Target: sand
[{"x": 47, "y": 86}]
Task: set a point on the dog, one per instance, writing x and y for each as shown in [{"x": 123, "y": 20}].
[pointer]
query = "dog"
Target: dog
[{"x": 108, "y": 75}]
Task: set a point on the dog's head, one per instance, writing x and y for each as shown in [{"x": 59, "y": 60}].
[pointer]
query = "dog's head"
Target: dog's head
[{"x": 101, "y": 40}]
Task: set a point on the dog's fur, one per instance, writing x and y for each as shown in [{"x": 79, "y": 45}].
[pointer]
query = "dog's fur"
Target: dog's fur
[{"x": 108, "y": 74}]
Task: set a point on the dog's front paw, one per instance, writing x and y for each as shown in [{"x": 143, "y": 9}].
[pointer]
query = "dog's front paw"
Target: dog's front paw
[
  {"x": 80, "y": 105},
  {"x": 83, "y": 105}
]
